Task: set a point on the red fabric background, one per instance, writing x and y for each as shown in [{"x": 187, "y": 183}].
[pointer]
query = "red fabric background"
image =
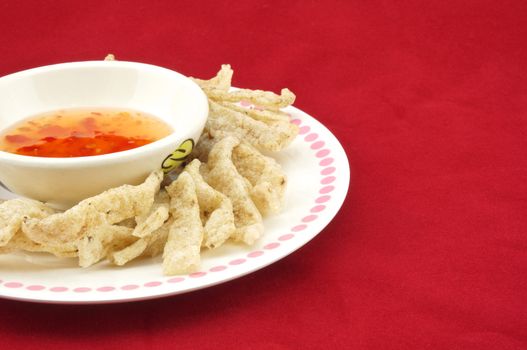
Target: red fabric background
[{"x": 428, "y": 99}]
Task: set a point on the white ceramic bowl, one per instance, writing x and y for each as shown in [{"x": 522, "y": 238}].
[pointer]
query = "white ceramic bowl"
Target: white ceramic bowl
[{"x": 62, "y": 182}]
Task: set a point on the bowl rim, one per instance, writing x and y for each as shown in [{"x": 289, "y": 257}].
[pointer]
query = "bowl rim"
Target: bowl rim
[{"x": 121, "y": 156}]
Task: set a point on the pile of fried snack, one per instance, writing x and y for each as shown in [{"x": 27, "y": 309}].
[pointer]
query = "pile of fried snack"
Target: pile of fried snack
[{"x": 220, "y": 194}]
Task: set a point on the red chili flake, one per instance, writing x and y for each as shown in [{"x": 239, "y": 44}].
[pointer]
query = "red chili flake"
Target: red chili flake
[
  {"x": 17, "y": 138},
  {"x": 89, "y": 124},
  {"x": 52, "y": 130},
  {"x": 81, "y": 146}
]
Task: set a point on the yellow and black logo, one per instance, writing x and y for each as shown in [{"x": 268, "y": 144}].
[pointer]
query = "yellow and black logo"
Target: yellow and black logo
[{"x": 178, "y": 156}]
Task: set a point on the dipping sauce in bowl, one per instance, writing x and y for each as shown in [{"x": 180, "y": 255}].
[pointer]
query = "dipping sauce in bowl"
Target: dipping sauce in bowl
[
  {"x": 81, "y": 132},
  {"x": 62, "y": 168}
]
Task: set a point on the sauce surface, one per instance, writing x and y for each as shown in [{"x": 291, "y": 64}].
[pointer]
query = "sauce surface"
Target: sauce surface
[{"x": 82, "y": 132}]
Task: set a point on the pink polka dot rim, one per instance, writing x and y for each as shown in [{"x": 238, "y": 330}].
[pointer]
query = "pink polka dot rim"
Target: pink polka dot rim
[
  {"x": 237, "y": 262},
  {"x": 299, "y": 228},
  {"x": 35, "y": 287},
  {"x": 311, "y": 137},
  {"x": 255, "y": 254},
  {"x": 328, "y": 170},
  {"x": 82, "y": 290},
  {"x": 153, "y": 284},
  {"x": 218, "y": 268},
  {"x": 13, "y": 285},
  {"x": 318, "y": 145},
  {"x": 322, "y": 199},
  {"x": 326, "y": 161},
  {"x": 317, "y": 208},
  {"x": 327, "y": 180},
  {"x": 309, "y": 218},
  {"x": 176, "y": 280},
  {"x": 272, "y": 245},
  {"x": 286, "y": 237},
  {"x": 130, "y": 287},
  {"x": 105, "y": 289},
  {"x": 322, "y": 153},
  {"x": 326, "y": 189},
  {"x": 197, "y": 274},
  {"x": 303, "y": 130}
]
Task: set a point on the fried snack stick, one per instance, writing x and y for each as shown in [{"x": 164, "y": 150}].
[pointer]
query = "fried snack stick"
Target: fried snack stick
[
  {"x": 114, "y": 205},
  {"x": 203, "y": 146},
  {"x": 265, "y": 127},
  {"x": 20, "y": 242},
  {"x": 151, "y": 245},
  {"x": 151, "y": 221},
  {"x": 265, "y": 175},
  {"x": 182, "y": 250},
  {"x": 215, "y": 209},
  {"x": 121, "y": 244},
  {"x": 158, "y": 239},
  {"x": 271, "y": 136},
  {"x": 101, "y": 240},
  {"x": 263, "y": 99},
  {"x": 218, "y": 87},
  {"x": 151, "y": 228},
  {"x": 221, "y": 174},
  {"x": 265, "y": 116},
  {"x": 267, "y": 179},
  {"x": 13, "y": 212},
  {"x": 275, "y": 131},
  {"x": 221, "y": 82}
]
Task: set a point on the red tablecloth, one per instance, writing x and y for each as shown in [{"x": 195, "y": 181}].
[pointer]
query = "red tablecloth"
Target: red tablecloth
[{"x": 429, "y": 100}]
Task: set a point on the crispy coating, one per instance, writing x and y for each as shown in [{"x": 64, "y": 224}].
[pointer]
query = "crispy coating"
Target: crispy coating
[
  {"x": 150, "y": 228},
  {"x": 158, "y": 239},
  {"x": 223, "y": 176},
  {"x": 264, "y": 99},
  {"x": 115, "y": 205},
  {"x": 271, "y": 136},
  {"x": 101, "y": 240},
  {"x": 146, "y": 224},
  {"x": 14, "y": 211},
  {"x": 215, "y": 209},
  {"x": 151, "y": 245},
  {"x": 268, "y": 117},
  {"x": 221, "y": 82},
  {"x": 129, "y": 253},
  {"x": 268, "y": 181},
  {"x": 204, "y": 145},
  {"x": 182, "y": 250},
  {"x": 20, "y": 242},
  {"x": 126, "y": 201},
  {"x": 265, "y": 127}
]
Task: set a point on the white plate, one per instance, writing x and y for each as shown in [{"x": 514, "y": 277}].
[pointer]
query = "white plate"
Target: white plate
[{"x": 318, "y": 173}]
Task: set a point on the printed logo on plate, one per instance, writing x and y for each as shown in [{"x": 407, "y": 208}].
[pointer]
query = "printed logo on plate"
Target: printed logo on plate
[{"x": 178, "y": 156}]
